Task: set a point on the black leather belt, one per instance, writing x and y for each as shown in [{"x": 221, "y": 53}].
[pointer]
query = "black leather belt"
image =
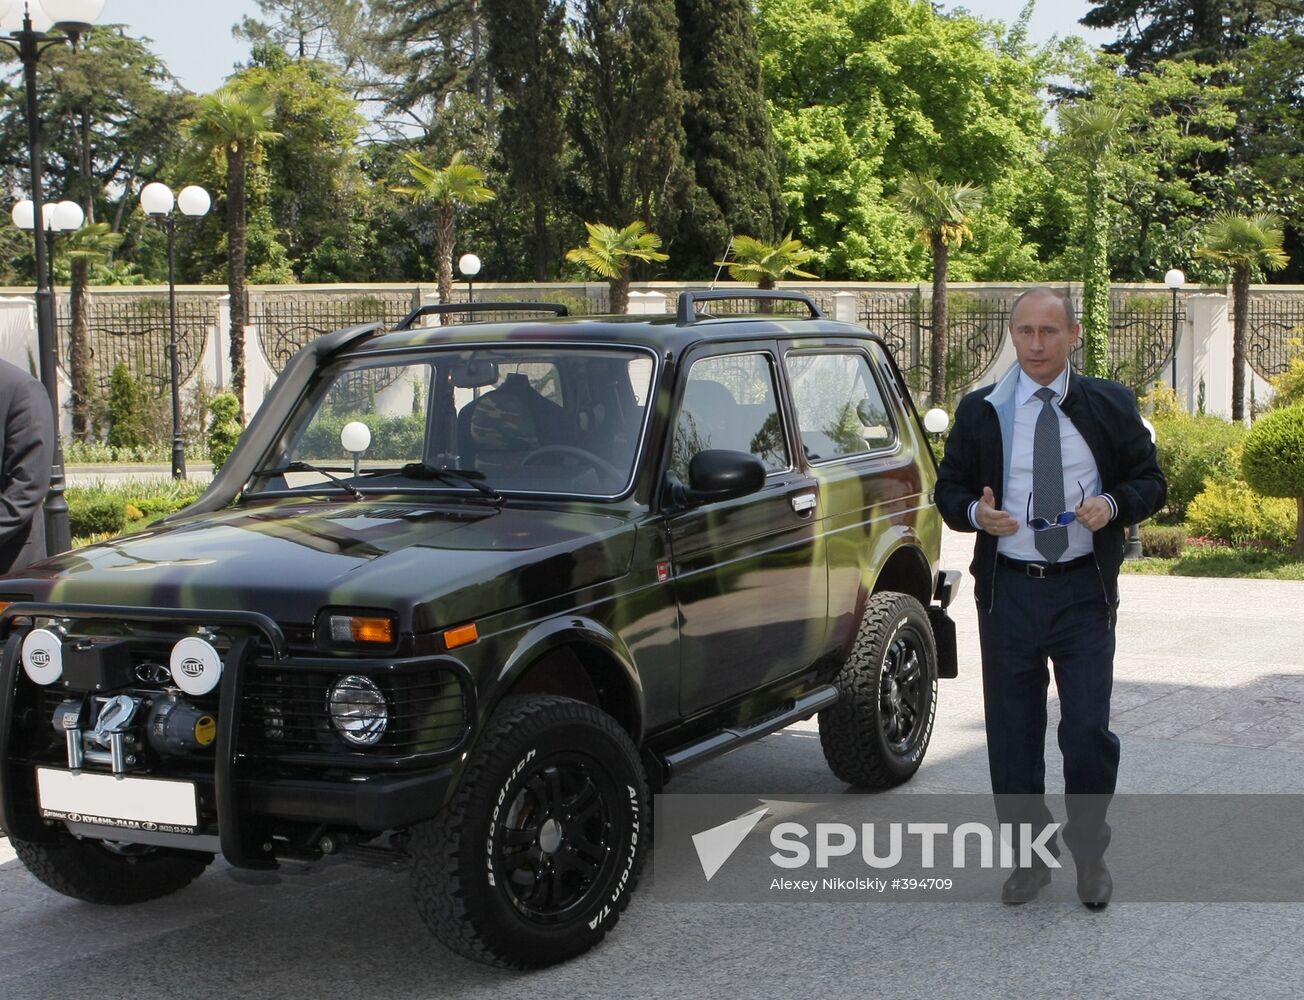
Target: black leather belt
[{"x": 1041, "y": 570}]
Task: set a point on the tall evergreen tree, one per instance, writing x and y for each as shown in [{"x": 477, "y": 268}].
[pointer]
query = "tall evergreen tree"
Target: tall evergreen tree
[
  {"x": 1208, "y": 31},
  {"x": 529, "y": 62},
  {"x": 626, "y": 114},
  {"x": 728, "y": 136}
]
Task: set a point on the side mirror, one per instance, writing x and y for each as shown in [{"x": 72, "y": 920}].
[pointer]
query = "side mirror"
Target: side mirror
[
  {"x": 936, "y": 421},
  {"x": 718, "y": 474}
]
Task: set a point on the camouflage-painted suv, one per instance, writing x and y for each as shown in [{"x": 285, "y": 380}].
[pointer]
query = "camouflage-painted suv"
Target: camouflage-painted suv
[{"x": 471, "y": 594}]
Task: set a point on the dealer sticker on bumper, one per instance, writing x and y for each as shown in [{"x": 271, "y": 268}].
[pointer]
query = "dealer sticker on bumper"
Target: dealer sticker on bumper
[{"x": 126, "y": 803}]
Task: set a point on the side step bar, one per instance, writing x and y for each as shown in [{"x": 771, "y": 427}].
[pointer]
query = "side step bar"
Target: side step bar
[{"x": 726, "y": 740}]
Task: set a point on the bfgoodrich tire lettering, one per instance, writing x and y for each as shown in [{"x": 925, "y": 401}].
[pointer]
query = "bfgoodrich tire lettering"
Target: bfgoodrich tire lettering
[
  {"x": 114, "y": 875},
  {"x": 877, "y": 733},
  {"x": 539, "y": 852}
]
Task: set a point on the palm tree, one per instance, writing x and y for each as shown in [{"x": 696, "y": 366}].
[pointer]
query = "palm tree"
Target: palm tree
[
  {"x": 766, "y": 263},
  {"x": 93, "y": 243},
  {"x": 448, "y": 189},
  {"x": 942, "y": 213},
  {"x": 1248, "y": 245},
  {"x": 235, "y": 128},
  {"x": 1092, "y": 129},
  {"x": 610, "y": 252}
]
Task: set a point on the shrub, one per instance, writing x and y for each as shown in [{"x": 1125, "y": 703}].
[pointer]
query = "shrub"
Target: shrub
[
  {"x": 125, "y": 425},
  {"x": 1163, "y": 541},
  {"x": 95, "y": 511},
  {"x": 397, "y": 438},
  {"x": 1193, "y": 450},
  {"x": 1273, "y": 460},
  {"x": 224, "y": 429},
  {"x": 1232, "y": 512},
  {"x": 1289, "y": 385}
]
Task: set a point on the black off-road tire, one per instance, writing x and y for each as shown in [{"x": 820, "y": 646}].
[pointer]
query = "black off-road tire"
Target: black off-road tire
[
  {"x": 495, "y": 872},
  {"x": 862, "y": 734},
  {"x": 94, "y": 872}
]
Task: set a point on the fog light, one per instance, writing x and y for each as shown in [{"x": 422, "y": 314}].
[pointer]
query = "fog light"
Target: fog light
[
  {"x": 358, "y": 710},
  {"x": 43, "y": 656}
]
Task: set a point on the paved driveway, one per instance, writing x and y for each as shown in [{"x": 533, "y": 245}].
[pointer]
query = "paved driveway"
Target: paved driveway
[{"x": 1209, "y": 697}]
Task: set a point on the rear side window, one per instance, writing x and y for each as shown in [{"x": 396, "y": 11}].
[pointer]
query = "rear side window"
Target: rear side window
[
  {"x": 840, "y": 408},
  {"x": 729, "y": 402}
]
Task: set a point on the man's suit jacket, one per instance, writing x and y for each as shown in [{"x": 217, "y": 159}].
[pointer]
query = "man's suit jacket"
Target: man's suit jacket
[
  {"x": 1105, "y": 414},
  {"x": 26, "y": 451}
]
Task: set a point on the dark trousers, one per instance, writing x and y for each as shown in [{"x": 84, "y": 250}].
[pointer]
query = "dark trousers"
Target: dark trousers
[{"x": 1064, "y": 619}]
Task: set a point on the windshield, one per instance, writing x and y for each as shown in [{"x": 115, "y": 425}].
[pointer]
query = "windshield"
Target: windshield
[{"x": 533, "y": 419}]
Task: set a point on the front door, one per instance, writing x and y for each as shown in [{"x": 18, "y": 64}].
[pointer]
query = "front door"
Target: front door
[{"x": 749, "y": 576}]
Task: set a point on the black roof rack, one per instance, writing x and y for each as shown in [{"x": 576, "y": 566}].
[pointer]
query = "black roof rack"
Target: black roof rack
[
  {"x": 447, "y": 308},
  {"x": 686, "y": 314}
]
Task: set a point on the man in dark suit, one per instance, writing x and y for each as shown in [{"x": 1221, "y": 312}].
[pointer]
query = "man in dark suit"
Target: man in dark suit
[
  {"x": 26, "y": 451},
  {"x": 1049, "y": 467}
]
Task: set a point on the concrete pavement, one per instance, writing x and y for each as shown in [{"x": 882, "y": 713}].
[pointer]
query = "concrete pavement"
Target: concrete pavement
[{"x": 1209, "y": 697}]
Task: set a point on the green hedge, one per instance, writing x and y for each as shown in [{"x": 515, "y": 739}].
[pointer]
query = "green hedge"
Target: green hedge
[
  {"x": 392, "y": 438},
  {"x": 102, "y": 511},
  {"x": 1233, "y": 513},
  {"x": 1193, "y": 450},
  {"x": 1163, "y": 541}
]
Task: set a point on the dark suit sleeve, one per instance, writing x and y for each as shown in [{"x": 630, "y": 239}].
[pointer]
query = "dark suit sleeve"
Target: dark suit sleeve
[
  {"x": 1139, "y": 488},
  {"x": 28, "y": 452},
  {"x": 958, "y": 476}
]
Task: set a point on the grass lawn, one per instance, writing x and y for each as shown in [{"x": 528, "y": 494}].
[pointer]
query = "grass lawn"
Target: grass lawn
[{"x": 1245, "y": 563}]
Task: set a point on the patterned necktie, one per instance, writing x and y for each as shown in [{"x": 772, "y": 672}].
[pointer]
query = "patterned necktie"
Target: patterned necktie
[{"x": 1048, "y": 478}]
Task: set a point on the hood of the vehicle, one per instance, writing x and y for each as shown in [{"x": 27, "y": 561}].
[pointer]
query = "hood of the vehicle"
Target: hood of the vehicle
[{"x": 435, "y": 564}]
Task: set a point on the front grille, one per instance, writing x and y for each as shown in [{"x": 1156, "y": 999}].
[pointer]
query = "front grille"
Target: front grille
[{"x": 284, "y": 712}]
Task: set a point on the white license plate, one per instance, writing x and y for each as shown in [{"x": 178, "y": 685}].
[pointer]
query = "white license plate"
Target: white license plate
[{"x": 126, "y": 803}]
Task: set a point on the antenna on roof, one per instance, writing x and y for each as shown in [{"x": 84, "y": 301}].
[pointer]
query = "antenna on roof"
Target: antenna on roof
[{"x": 724, "y": 259}]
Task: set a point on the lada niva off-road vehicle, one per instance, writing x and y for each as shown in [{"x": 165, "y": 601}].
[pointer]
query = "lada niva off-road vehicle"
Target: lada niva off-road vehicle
[{"x": 471, "y": 594}]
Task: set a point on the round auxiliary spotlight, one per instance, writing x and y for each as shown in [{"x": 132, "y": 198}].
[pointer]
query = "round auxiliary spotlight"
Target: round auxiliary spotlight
[
  {"x": 196, "y": 666},
  {"x": 43, "y": 656}
]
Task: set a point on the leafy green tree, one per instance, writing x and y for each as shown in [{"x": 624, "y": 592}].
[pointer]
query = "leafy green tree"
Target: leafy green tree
[
  {"x": 766, "y": 263},
  {"x": 611, "y": 252},
  {"x": 448, "y": 189},
  {"x": 729, "y": 140},
  {"x": 1094, "y": 128},
  {"x": 529, "y": 61},
  {"x": 864, "y": 92},
  {"x": 1248, "y": 246},
  {"x": 1203, "y": 30},
  {"x": 236, "y": 129},
  {"x": 626, "y": 111},
  {"x": 224, "y": 427},
  {"x": 326, "y": 30},
  {"x": 942, "y": 214},
  {"x": 1273, "y": 460}
]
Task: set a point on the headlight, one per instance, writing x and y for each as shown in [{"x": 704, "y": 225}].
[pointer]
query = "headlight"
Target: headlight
[{"x": 358, "y": 710}]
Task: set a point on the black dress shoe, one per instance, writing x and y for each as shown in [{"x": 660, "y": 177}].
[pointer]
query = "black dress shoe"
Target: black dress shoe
[
  {"x": 1095, "y": 885},
  {"x": 1022, "y": 886}
]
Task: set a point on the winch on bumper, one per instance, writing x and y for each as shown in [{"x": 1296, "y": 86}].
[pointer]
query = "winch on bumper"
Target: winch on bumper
[{"x": 199, "y": 730}]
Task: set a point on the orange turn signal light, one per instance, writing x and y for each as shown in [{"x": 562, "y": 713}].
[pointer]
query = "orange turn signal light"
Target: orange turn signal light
[
  {"x": 463, "y": 635},
  {"x": 361, "y": 628}
]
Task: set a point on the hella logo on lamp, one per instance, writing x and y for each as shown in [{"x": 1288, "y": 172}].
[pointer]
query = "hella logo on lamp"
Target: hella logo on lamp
[
  {"x": 43, "y": 656},
  {"x": 195, "y": 665}
]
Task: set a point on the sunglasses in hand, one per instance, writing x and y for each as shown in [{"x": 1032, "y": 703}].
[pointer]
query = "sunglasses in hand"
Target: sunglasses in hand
[{"x": 1060, "y": 520}]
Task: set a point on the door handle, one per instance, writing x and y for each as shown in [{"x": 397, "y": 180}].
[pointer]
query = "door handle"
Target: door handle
[{"x": 803, "y": 503}]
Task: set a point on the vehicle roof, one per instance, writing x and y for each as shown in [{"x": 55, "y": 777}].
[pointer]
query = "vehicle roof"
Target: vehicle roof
[{"x": 661, "y": 333}]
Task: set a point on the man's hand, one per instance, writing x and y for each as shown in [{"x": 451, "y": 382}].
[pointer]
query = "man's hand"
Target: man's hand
[
  {"x": 993, "y": 521},
  {"x": 1095, "y": 513}
]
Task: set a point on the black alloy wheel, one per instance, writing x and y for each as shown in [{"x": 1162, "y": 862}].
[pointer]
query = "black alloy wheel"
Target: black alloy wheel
[
  {"x": 554, "y": 844},
  {"x": 901, "y": 694}
]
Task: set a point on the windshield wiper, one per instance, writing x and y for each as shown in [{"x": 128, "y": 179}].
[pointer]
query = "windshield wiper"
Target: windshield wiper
[
  {"x": 458, "y": 477},
  {"x": 307, "y": 467}
]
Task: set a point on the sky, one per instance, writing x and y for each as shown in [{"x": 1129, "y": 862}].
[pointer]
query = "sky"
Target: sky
[{"x": 194, "y": 36}]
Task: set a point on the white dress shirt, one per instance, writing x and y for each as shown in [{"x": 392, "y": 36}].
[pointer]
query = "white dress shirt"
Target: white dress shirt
[{"x": 1081, "y": 476}]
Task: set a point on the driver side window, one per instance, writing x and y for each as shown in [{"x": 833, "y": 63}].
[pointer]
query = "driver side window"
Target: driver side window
[{"x": 729, "y": 402}]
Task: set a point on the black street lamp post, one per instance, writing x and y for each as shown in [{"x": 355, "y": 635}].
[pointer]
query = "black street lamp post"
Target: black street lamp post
[
  {"x": 1175, "y": 279},
  {"x": 469, "y": 265},
  {"x": 71, "y": 17},
  {"x": 160, "y": 205}
]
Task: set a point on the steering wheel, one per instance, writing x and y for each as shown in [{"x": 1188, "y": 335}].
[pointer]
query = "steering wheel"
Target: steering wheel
[{"x": 588, "y": 458}]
